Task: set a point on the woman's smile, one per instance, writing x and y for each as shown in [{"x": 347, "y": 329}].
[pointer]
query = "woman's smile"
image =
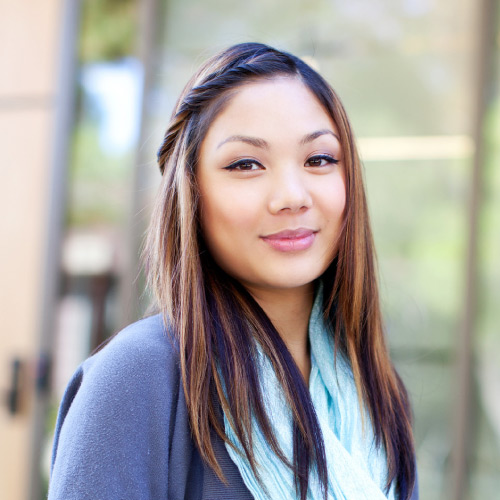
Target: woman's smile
[{"x": 291, "y": 240}]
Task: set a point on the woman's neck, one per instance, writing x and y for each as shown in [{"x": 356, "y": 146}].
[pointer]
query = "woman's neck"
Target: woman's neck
[{"x": 289, "y": 311}]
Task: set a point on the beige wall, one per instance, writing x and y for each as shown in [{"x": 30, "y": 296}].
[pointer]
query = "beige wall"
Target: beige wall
[{"x": 29, "y": 38}]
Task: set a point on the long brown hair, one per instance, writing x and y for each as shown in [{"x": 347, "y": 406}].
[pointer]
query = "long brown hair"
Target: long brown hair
[{"x": 215, "y": 321}]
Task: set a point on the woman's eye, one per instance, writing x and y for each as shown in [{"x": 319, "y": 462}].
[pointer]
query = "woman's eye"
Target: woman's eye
[
  {"x": 321, "y": 161},
  {"x": 244, "y": 166}
]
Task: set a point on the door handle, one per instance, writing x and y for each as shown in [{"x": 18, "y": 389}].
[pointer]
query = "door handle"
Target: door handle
[{"x": 13, "y": 394}]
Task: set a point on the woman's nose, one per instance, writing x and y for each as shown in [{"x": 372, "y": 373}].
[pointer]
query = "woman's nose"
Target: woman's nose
[{"x": 289, "y": 192}]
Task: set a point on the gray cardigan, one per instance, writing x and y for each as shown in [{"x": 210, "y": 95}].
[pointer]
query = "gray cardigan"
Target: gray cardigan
[{"x": 122, "y": 432}]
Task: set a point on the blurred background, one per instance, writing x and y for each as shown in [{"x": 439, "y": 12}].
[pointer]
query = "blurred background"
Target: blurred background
[{"x": 86, "y": 90}]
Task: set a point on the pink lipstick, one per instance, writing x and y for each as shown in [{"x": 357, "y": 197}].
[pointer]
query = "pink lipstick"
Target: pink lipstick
[{"x": 291, "y": 240}]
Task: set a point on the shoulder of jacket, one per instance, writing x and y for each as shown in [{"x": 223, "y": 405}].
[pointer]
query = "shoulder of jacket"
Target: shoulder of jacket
[{"x": 140, "y": 352}]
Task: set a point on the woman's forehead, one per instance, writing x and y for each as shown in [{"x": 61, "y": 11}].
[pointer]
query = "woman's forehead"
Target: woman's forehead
[{"x": 270, "y": 108}]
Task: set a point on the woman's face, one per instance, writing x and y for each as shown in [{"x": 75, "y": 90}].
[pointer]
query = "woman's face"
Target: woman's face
[{"x": 272, "y": 186}]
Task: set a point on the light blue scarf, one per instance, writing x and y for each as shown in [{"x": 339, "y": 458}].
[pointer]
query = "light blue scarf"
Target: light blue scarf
[{"x": 356, "y": 468}]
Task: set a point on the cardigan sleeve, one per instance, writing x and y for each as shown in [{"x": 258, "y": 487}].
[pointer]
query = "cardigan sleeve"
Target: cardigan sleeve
[{"x": 116, "y": 420}]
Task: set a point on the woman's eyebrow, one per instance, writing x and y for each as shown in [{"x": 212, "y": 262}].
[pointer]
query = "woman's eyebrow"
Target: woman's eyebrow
[
  {"x": 261, "y": 143},
  {"x": 310, "y": 137},
  {"x": 254, "y": 141}
]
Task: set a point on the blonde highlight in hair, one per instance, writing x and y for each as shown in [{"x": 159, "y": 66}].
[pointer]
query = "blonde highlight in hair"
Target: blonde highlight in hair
[{"x": 215, "y": 322}]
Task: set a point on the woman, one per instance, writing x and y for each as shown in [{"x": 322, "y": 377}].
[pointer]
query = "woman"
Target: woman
[{"x": 274, "y": 381}]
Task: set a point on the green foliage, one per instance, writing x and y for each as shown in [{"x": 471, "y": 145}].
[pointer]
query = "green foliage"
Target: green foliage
[
  {"x": 109, "y": 29},
  {"x": 99, "y": 189}
]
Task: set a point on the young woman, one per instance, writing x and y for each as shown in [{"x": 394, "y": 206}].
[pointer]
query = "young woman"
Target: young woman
[{"x": 266, "y": 375}]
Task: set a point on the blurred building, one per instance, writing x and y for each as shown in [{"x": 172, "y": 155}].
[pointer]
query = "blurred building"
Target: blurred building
[
  {"x": 33, "y": 91},
  {"x": 85, "y": 95}
]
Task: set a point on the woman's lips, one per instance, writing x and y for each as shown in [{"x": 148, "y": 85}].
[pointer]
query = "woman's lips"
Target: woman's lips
[{"x": 291, "y": 240}]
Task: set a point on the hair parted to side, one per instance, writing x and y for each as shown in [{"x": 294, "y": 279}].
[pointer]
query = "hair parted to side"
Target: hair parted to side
[{"x": 215, "y": 321}]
